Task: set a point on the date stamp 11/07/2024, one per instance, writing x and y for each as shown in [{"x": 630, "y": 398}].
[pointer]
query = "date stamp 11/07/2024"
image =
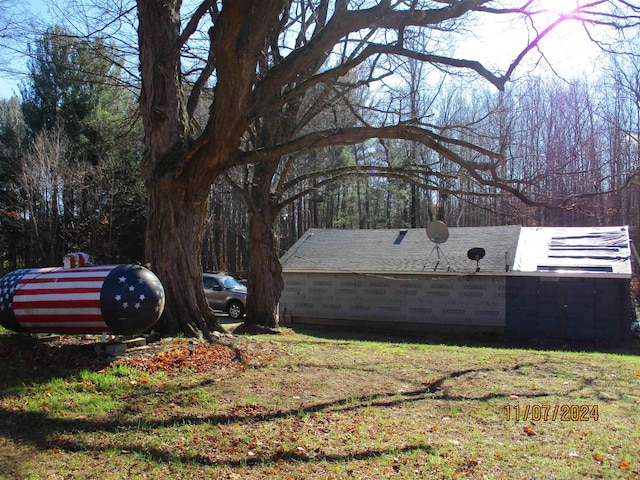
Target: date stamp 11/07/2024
[{"x": 544, "y": 413}]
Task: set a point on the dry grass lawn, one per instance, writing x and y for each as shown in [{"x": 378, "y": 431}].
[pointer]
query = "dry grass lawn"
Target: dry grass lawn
[{"x": 316, "y": 404}]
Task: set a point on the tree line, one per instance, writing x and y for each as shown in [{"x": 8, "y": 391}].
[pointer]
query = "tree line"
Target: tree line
[
  {"x": 70, "y": 162},
  {"x": 69, "y": 159}
]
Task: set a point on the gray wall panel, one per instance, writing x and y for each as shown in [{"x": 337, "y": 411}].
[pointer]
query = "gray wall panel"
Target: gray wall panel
[{"x": 422, "y": 299}]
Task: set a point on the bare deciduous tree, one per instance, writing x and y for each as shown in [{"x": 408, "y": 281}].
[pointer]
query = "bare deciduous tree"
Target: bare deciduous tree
[
  {"x": 263, "y": 56},
  {"x": 44, "y": 172}
]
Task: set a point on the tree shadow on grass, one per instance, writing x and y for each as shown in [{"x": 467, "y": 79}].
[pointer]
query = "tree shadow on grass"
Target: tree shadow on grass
[
  {"x": 311, "y": 457},
  {"x": 42, "y": 431}
]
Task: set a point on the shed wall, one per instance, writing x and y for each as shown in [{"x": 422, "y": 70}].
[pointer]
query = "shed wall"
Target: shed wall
[
  {"x": 415, "y": 299},
  {"x": 552, "y": 307},
  {"x": 578, "y": 309}
]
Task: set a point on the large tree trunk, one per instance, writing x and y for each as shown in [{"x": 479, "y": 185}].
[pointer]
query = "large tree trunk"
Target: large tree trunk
[
  {"x": 177, "y": 195},
  {"x": 180, "y": 163},
  {"x": 174, "y": 235},
  {"x": 264, "y": 273}
]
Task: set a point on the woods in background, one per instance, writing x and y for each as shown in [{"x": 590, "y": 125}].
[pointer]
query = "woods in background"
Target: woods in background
[{"x": 572, "y": 140}]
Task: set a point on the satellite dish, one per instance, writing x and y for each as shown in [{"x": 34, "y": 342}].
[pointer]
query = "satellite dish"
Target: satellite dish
[
  {"x": 437, "y": 232},
  {"x": 477, "y": 254}
]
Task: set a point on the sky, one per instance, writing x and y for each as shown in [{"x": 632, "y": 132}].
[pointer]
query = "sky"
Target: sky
[
  {"x": 9, "y": 83},
  {"x": 568, "y": 48},
  {"x": 9, "y": 87}
]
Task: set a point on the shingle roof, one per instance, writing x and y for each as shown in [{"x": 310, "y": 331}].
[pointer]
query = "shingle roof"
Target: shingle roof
[{"x": 389, "y": 250}]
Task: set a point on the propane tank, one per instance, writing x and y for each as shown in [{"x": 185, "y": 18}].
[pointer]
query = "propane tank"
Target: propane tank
[{"x": 81, "y": 297}]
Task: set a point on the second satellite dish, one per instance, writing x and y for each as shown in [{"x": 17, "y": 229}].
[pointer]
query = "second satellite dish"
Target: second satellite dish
[
  {"x": 477, "y": 254},
  {"x": 437, "y": 232}
]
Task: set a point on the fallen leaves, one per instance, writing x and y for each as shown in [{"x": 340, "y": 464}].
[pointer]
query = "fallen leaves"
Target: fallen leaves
[
  {"x": 59, "y": 355},
  {"x": 196, "y": 358},
  {"x": 247, "y": 411},
  {"x": 622, "y": 464}
]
